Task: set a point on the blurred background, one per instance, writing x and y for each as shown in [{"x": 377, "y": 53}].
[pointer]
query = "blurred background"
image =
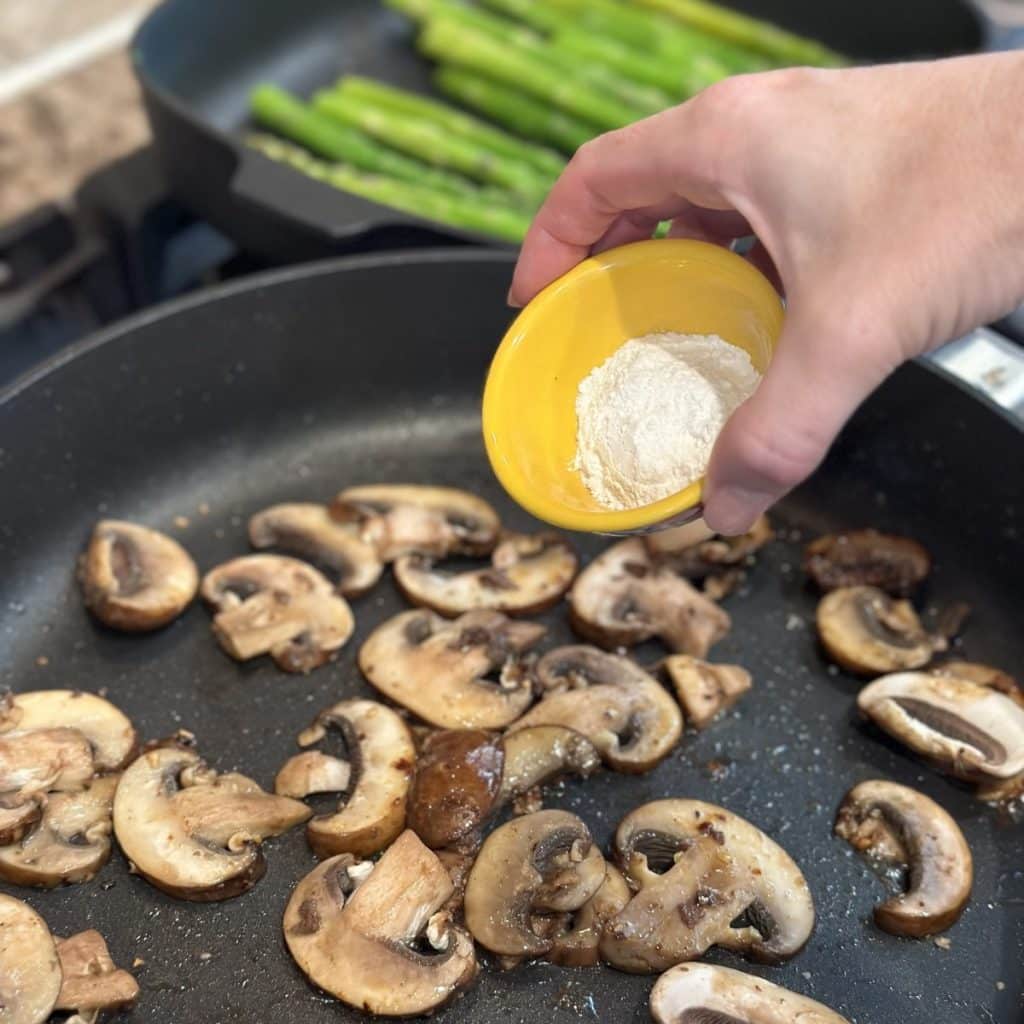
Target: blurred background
[{"x": 149, "y": 150}]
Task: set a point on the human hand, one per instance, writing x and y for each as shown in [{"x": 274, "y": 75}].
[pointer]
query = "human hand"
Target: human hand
[{"x": 888, "y": 205}]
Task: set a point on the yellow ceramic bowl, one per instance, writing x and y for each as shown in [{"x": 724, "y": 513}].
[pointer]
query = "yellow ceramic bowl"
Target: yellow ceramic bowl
[{"x": 529, "y": 408}]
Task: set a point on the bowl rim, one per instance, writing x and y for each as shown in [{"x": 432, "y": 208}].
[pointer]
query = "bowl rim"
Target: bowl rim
[{"x": 673, "y": 510}]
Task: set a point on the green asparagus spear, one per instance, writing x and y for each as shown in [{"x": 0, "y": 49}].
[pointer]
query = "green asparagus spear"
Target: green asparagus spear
[
  {"x": 517, "y": 111},
  {"x": 462, "y": 212},
  {"x": 678, "y": 79},
  {"x": 446, "y": 39},
  {"x": 452, "y": 120},
  {"x": 432, "y": 144},
  {"x": 759, "y": 36},
  {"x": 279, "y": 110}
]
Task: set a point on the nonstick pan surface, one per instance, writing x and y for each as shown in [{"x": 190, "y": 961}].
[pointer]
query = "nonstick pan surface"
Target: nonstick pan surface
[
  {"x": 197, "y": 62},
  {"x": 291, "y": 386}
]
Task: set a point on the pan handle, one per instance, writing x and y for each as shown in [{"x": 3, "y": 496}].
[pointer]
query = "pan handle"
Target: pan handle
[
  {"x": 989, "y": 363},
  {"x": 1004, "y": 23}
]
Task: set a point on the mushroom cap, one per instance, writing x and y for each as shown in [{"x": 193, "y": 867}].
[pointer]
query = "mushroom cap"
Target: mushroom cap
[
  {"x": 527, "y": 574},
  {"x": 625, "y": 597},
  {"x": 539, "y": 862},
  {"x": 193, "y": 833},
  {"x": 704, "y": 876},
  {"x": 307, "y": 530},
  {"x": 359, "y": 945},
  {"x": 858, "y": 558},
  {"x": 402, "y": 519},
  {"x": 456, "y": 786},
  {"x": 703, "y": 689},
  {"x": 30, "y": 972},
  {"x": 382, "y": 755},
  {"x": 134, "y": 578},
  {"x": 437, "y": 668},
  {"x": 276, "y": 605},
  {"x": 92, "y": 981},
  {"x": 880, "y": 818},
  {"x": 109, "y": 731},
  {"x": 703, "y": 994},
  {"x": 577, "y": 944},
  {"x": 623, "y": 711},
  {"x": 865, "y": 631},
  {"x": 71, "y": 841},
  {"x": 965, "y": 729}
]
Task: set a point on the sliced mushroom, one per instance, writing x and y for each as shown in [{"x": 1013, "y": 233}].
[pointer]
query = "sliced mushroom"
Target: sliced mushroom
[
  {"x": 463, "y": 776},
  {"x": 40, "y": 761},
  {"x": 625, "y": 597},
  {"x": 576, "y": 944},
  {"x": 441, "y": 670},
  {"x": 30, "y": 972},
  {"x": 709, "y": 556},
  {"x": 703, "y": 877},
  {"x": 894, "y": 825},
  {"x": 865, "y": 631},
  {"x": 528, "y": 574},
  {"x": 108, "y": 730},
  {"x": 703, "y": 994},
  {"x": 93, "y": 983},
  {"x": 134, "y": 578},
  {"x": 69, "y": 844},
  {"x": 867, "y": 558},
  {"x": 678, "y": 538},
  {"x": 403, "y": 519},
  {"x": 380, "y": 758},
  {"x": 17, "y": 820},
  {"x": 705, "y": 690},
  {"x": 963, "y": 728},
  {"x": 359, "y": 939},
  {"x": 624, "y": 712},
  {"x": 308, "y": 531},
  {"x": 193, "y": 833},
  {"x": 531, "y": 866},
  {"x": 271, "y": 604},
  {"x": 983, "y": 675}
]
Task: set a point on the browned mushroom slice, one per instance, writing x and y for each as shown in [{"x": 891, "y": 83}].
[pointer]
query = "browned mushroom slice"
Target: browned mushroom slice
[
  {"x": 107, "y": 730},
  {"x": 93, "y": 983},
  {"x": 527, "y": 574},
  {"x": 195, "y": 833},
  {"x": 272, "y": 604},
  {"x": 308, "y": 531},
  {"x": 703, "y": 994},
  {"x": 624, "y": 712},
  {"x": 39, "y": 761},
  {"x": 464, "y": 775},
  {"x": 625, "y": 597},
  {"x": 15, "y": 821},
  {"x": 134, "y": 578},
  {"x": 867, "y": 558},
  {"x": 357, "y": 931},
  {"x": 403, "y": 519},
  {"x": 441, "y": 670},
  {"x": 894, "y": 825},
  {"x": 865, "y": 631},
  {"x": 30, "y": 972},
  {"x": 703, "y": 877},
  {"x": 965, "y": 729},
  {"x": 709, "y": 556},
  {"x": 379, "y": 759},
  {"x": 71, "y": 841},
  {"x": 705, "y": 690},
  {"x": 983, "y": 675},
  {"x": 532, "y": 866},
  {"x": 576, "y": 943}
]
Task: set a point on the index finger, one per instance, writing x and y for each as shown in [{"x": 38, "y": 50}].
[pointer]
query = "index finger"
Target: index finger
[{"x": 657, "y": 167}]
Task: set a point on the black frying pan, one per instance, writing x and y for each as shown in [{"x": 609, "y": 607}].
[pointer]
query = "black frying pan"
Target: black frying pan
[
  {"x": 197, "y": 61},
  {"x": 293, "y": 385}
]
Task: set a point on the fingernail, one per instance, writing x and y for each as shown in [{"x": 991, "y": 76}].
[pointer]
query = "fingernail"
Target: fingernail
[
  {"x": 732, "y": 510},
  {"x": 511, "y": 300}
]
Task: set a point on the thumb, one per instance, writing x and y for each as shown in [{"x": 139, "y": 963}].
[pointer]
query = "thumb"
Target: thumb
[{"x": 782, "y": 432}]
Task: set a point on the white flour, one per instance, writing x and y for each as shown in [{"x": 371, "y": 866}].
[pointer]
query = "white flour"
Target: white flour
[{"x": 647, "y": 417}]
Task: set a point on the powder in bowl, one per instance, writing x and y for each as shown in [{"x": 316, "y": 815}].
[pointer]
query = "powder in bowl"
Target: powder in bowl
[{"x": 648, "y": 416}]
